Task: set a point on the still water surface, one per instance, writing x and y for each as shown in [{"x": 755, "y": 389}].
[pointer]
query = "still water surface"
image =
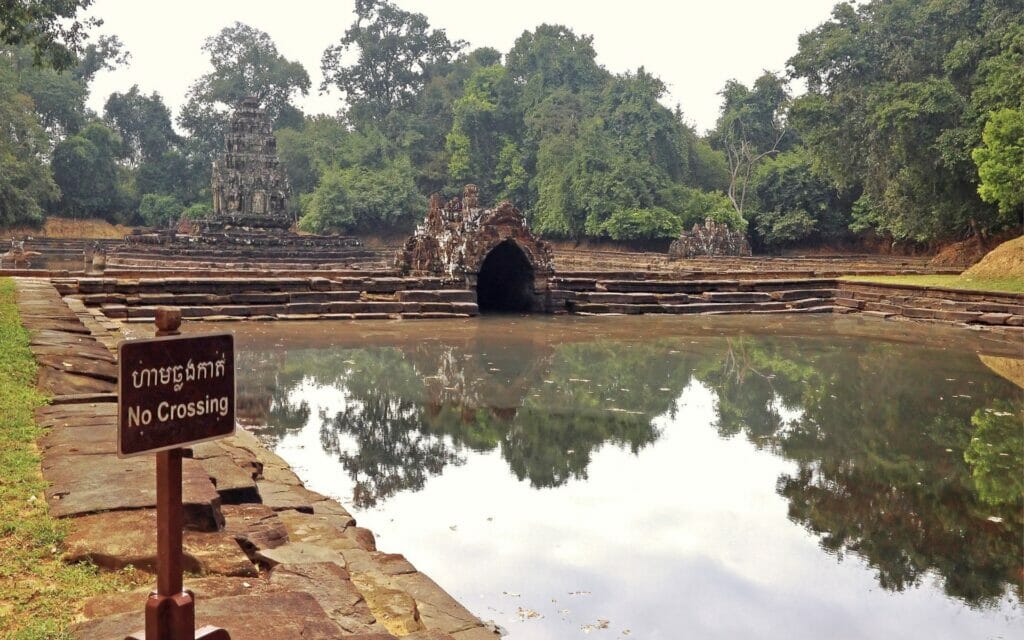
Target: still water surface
[{"x": 665, "y": 478}]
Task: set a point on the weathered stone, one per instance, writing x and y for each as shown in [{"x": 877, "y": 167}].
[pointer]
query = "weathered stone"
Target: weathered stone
[
  {"x": 57, "y": 382},
  {"x": 250, "y": 188},
  {"x": 712, "y": 239},
  {"x": 254, "y": 526},
  {"x": 332, "y": 588},
  {"x": 299, "y": 553},
  {"x": 109, "y": 604},
  {"x": 437, "y": 609},
  {"x": 994, "y": 318},
  {"x": 336, "y": 532},
  {"x": 234, "y": 483},
  {"x": 279, "y": 496},
  {"x": 266, "y": 616},
  {"x": 81, "y": 484},
  {"x": 393, "y": 608},
  {"x": 456, "y": 238},
  {"x": 116, "y": 539}
]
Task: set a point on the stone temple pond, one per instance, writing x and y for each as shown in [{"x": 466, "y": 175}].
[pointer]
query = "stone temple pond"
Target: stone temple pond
[{"x": 661, "y": 478}]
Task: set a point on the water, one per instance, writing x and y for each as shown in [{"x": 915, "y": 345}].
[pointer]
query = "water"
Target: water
[{"x": 667, "y": 477}]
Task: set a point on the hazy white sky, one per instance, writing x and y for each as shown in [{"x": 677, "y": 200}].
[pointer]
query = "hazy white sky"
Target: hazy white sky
[{"x": 694, "y": 47}]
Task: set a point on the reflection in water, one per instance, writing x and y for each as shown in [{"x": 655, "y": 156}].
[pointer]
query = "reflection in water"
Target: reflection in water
[{"x": 914, "y": 470}]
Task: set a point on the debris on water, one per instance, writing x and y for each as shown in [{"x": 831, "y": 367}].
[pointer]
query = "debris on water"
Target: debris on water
[
  {"x": 962, "y": 395},
  {"x": 600, "y": 624},
  {"x": 579, "y": 593},
  {"x": 578, "y": 380},
  {"x": 528, "y": 614},
  {"x": 453, "y": 527},
  {"x": 949, "y": 451},
  {"x": 494, "y": 627},
  {"x": 511, "y": 594},
  {"x": 995, "y": 519}
]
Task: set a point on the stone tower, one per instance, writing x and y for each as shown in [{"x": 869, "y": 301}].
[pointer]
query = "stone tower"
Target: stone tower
[{"x": 250, "y": 188}]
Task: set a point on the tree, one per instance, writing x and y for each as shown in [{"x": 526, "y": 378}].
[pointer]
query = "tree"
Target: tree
[
  {"x": 393, "y": 50},
  {"x": 898, "y": 95},
  {"x": 553, "y": 57},
  {"x": 793, "y": 203},
  {"x": 85, "y": 169},
  {"x": 26, "y": 184},
  {"x": 157, "y": 210},
  {"x": 144, "y": 124},
  {"x": 50, "y": 28},
  {"x": 751, "y": 128},
  {"x": 1000, "y": 163},
  {"x": 245, "y": 63}
]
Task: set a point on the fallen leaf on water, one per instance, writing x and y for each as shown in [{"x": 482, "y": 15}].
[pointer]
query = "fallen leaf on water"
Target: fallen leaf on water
[
  {"x": 528, "y": 614},
  {"x": 995, "y": 519}
]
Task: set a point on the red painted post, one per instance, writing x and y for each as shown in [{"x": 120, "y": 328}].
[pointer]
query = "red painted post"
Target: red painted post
[{"x": 170, "y": 610}]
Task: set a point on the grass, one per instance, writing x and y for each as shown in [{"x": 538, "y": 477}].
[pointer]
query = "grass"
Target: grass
[
  {"x": 1004, "y": 285},
  {"x": 39, "y": 593}
]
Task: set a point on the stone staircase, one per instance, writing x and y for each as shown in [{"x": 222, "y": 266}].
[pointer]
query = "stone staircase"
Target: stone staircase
[
  {"x": 591, "y": 295},
  {"x": 265, "y": 298}
]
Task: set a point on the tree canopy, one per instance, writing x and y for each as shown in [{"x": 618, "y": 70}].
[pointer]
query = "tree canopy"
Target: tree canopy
[{"x": 909, "y": 128}]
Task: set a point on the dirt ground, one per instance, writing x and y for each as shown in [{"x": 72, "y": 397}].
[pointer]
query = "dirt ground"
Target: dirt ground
[
  {"x": 69, "y": 228},
  {"x": 1005, "y": 261}
]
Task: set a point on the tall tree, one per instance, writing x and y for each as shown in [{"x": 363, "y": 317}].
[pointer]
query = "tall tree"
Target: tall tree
[
  {"x": 143, "y": 122},
  {"x": 751, "y": 128},
  {"x": 26, "y": 184},
  {"x": 393, "y": 50},
  {"x": 245, "y": 63},
  {"x": 50, "y": 28},
  {"x": 85, "y": 168}
]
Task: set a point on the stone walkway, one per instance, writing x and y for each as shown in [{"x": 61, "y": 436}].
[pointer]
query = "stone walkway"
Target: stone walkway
[{"x": 268, "y": 558}]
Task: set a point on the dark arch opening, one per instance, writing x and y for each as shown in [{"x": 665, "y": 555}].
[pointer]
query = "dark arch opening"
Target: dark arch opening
[{"x": 505, "y": 281}]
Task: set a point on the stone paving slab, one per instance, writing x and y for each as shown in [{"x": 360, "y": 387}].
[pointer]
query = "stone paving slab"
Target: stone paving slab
[
  {"x": 109, "y": 604},
  {"x": 115, "y": 539},
  {"x": 265, "y": 616},
  {"x": 332, "y": 588},
  {"x": 255, "y": 527},
  {"x": 81, "y": 484}
]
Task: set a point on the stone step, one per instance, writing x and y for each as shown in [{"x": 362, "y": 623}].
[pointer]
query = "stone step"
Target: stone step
[{"x": 293, "y": 309}]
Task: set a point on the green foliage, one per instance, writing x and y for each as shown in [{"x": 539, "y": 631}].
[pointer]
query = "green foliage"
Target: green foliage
[
  {"x": 144, "y": 124},
  {"x": 364, "y": 199},
  {"x": 26, "y": 184},
  {"x": 245, "y": 63},
  {"x": 750, "y": 130},
  {"x": 642, "y": 224},
  {"x": 49, "y": 28},
  {"x": 394, "y": 49},
  {"x": 898, "y": 95},
  {"x": 85, "y": 168},
  {"x": 793, "y": 203},
  {"x": 159, "y": 210},
  {"x": 1001, "y": 162},
  {"x": 198, "y": 211}
]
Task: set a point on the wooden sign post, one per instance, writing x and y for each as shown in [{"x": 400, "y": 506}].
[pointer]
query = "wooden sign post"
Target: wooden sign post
[{"x": 172, "y": 391}]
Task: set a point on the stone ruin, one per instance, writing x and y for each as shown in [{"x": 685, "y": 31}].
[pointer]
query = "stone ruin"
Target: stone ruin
[
  {"x": 712, "y": 239},
  {"x": 250, "y": 188},
  {"x": 490, "y": 250}
]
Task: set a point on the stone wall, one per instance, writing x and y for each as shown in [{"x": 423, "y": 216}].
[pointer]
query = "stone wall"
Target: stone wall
[{"x": 711, "y": 239}]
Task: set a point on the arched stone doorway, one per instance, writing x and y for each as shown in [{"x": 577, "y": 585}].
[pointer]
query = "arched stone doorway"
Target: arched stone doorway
[{"x": 505, "y": 280}]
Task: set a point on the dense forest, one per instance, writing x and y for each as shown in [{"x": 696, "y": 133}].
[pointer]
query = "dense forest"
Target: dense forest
[{"x": 911, "y": 129}]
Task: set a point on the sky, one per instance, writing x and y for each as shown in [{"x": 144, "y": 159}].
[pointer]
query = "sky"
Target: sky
[{"x": 694, "y": 47}]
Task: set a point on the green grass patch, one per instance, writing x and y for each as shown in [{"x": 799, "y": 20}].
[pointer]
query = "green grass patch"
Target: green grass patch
[
  {"x": 1002, "y": 285},
  {"x": 39, "y": 593}
]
